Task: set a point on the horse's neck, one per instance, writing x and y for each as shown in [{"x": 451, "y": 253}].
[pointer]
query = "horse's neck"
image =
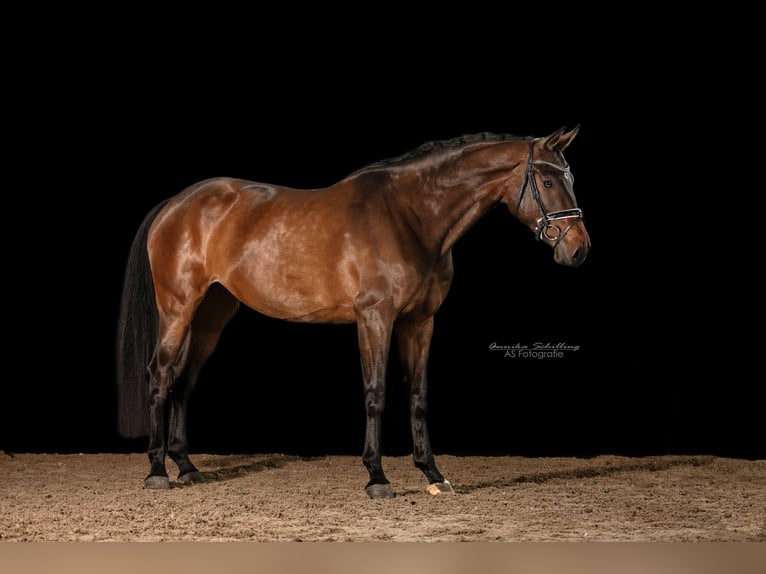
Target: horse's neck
[{"x": 456, "y": 199}]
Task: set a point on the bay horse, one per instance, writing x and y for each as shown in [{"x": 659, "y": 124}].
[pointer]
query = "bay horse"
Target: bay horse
[{"x": 374, "y": 249}]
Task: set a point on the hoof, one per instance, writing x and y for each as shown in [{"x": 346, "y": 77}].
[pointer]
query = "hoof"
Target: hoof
[
  {"x": 440, "y": 488},
  {"x": 193, "y": 477},
  {"x": 157, "y": 483},
  {"x": 380, "y": 491}
]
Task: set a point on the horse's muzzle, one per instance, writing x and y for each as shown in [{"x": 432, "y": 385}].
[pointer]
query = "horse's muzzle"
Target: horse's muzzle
[{"x": 573, "y": 248}]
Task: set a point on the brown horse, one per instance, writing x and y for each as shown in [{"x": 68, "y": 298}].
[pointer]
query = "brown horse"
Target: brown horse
[{"x": 373, "y": 249}]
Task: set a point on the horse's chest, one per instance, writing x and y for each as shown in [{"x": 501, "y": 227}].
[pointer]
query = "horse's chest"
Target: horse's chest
[{"x": 426, "y": 292}]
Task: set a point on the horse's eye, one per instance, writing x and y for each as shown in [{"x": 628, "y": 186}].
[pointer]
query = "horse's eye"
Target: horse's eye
[{"x": 547, "y": 183}]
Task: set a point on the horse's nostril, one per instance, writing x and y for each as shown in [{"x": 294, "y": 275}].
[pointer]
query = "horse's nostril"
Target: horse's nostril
[{"x": 578, "y": 255}]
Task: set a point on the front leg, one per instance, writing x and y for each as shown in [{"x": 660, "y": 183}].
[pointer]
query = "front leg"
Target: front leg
[
  {"x": 374, "y": 325},
  {"x": 414, "y": 343}
]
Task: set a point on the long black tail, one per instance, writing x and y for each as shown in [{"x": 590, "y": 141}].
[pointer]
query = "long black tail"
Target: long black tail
[{"x": 136, "y": 336}]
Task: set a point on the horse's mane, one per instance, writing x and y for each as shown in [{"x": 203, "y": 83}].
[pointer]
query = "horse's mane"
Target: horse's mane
[{"x": 431, "y": 146}]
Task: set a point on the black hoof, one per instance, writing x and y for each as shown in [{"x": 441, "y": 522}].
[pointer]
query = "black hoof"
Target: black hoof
[
  {"x": 193, "y": 477},
  {"x": 157, "y": 482},
  {"x": 380, "y": 491}
]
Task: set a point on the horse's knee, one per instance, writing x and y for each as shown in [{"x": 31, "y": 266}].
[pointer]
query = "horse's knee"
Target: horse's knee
[
  {"x": 374, "y": 401},
  {"x": 418, "y": 406}
]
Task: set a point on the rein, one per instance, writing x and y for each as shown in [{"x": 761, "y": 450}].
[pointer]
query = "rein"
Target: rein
[{"x": 545, "y": 227}]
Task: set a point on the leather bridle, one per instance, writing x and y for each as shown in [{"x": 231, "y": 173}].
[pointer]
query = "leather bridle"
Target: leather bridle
[{"x": 545, "y": 226}]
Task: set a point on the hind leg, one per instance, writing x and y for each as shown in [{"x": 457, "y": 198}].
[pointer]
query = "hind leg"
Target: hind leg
[
  {"x": 172, "y": 339},
  {"x": 211, "y": 317}
]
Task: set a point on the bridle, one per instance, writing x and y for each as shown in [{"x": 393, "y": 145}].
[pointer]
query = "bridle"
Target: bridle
[{"x": 545, "y": 227}]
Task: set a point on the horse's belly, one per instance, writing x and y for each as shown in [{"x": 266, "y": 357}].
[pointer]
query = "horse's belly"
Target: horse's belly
[
  {"x": 289, "y": 286},
  {"x": 304, "y": 313}
]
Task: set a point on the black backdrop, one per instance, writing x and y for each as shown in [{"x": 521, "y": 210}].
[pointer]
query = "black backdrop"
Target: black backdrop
[{"x": 98, "y": 142}]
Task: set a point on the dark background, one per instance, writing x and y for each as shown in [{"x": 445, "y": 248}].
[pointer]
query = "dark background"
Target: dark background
[{"x": 106, "y": 126}]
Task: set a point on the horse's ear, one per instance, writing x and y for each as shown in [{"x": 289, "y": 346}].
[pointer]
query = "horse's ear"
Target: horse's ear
[{"x": 559, "y": 140}]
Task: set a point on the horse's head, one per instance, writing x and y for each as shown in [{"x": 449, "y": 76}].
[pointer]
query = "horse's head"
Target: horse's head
[{"x": 546, "y": 202}]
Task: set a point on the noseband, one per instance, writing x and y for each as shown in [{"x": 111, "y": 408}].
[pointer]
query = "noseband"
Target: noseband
[{"x": 545, "y": 227}]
